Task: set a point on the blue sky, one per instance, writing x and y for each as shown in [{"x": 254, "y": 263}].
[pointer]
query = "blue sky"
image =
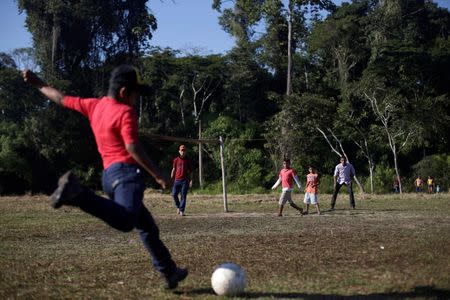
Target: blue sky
[{"x": 187, "y": 25}]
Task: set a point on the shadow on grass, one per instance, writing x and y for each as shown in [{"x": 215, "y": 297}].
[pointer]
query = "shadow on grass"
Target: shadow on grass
[{"x": 422, "y": 292}]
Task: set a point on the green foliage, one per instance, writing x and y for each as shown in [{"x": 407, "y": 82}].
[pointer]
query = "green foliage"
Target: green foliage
[
  {"x": 16, "y": 99},
  {"x": 326, "y": 184},
  {"x": 15, "y": 171},
  {"x": 175, "y": 107},
  {"x": 383, "y": 179},
  {"x": 243, "y": 160},
  {"x": 72, "y": 38},
  {"x": 289, "y": 131}
]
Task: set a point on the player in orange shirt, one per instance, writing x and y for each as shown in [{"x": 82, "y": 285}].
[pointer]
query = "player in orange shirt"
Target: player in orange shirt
[{"x": 311, "y": 190}]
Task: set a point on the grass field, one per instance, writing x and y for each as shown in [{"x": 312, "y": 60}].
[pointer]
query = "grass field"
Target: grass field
[{"x": 389, "y": 247}]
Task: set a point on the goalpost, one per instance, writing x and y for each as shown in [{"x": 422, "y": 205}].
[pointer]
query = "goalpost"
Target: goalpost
[{"x": 200, "y": 142}]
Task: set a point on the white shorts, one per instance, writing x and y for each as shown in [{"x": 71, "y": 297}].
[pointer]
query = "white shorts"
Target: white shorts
[
  {"x": 285, "y": 197},
  {"x": 310, "y": 198}
]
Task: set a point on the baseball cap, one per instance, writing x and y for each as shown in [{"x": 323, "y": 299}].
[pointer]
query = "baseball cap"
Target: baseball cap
[{"x": 128, "y": 76}]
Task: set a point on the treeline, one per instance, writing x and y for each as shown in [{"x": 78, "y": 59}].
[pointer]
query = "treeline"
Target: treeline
[{"x": 307, "y": 80}]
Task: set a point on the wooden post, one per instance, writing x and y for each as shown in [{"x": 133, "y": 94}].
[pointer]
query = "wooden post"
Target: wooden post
[
  {"x": 224, "y": 186},
  {"x": 200, "y": 160}
]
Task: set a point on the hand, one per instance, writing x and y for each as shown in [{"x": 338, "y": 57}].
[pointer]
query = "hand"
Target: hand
[
  {"x": 190, "y": 184},
  {"x": 163, "y": 182},
  {"x": 32, "y": 79}
]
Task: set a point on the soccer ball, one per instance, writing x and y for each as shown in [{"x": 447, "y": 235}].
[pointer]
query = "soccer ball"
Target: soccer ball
[{"x": 228, "y": 279}]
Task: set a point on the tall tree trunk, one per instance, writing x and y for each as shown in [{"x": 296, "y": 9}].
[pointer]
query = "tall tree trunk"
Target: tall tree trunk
[
  {"x": 289, "y": 66},
  {"x": 55, "y": 37},
  {"x": 200, "y": 158},
  {"x": 398, "y": 174},
  {"x": 371, "y": 167}
]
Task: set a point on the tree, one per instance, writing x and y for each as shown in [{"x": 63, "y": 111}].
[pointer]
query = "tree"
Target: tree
[
  {"x": 17, "y": 101},
  {"x": 399, "y": 129},
  {"x": 290, "y": 132},
  {"x": 185, "y": 88},
  {"x": 248, "y": 173},
  {"x": 73, "y": 37},
  {"x": 340, "y": 40},
  {"x": 285, "y": 29}
]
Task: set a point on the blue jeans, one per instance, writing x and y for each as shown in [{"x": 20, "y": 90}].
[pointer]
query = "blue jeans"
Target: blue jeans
[
  {"x": 124, "y": 210},
  {"x": 180, "y": 186}
]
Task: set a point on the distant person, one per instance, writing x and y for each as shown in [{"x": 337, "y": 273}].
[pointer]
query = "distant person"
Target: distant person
[
  {"x": 343, "y": 175},
  {"x": 286, "y": 178},
  {"x": 311, "y": 190},
  {"x": 430, "y": 184},
  {"x": 181, "y": 175},
  {"x": 438, "y": 188},
  {"x": 418, "y": 184},
  {"x": 396, "y": 185},
  {"x": 114, "y": 124}
]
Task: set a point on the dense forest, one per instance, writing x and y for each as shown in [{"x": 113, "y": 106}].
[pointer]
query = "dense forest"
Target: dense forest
[{"x": 306, "y": 79}]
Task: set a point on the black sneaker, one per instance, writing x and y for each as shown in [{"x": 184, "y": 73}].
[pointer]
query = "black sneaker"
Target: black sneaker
[
  {"x": 68, "y": 189},
  {"x": 171, "y": 281}
]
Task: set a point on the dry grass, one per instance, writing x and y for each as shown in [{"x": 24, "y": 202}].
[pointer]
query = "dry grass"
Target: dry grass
[{"x": 389, "y": 247}]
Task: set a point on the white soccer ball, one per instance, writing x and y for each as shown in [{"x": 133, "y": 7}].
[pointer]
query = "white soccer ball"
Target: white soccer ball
[{"x": 228, "y": 279}]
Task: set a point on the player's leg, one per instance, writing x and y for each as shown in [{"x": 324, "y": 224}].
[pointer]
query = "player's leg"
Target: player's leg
[
  {"x": 175, "y": 191},
  {"x": 337, "y": 187},
  {"x": 71, "y": 192},
  {"x": 291, "y": 203},
  {"x": 184, "y": 191},
  {"x": 161, "y": 258},
  {"x": 280, "y": 210},
  {"x": 351, "y": 195},
  {"x": 281, "y": 203},
  {"x": 306, "y": 200},
  {"x": 128, "y": 192},
  {"x": 315, "y": 202},
  {"x": 124, "y": 185}
]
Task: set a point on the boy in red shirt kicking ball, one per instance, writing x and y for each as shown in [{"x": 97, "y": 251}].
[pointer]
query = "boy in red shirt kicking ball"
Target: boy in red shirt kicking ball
[
  {"x": 115, "y": 127},
  {"x": 286, "y": 178}
]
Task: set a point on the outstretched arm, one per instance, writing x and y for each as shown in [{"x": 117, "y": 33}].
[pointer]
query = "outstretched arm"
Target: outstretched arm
[
  {"x": 297, "y": 181},
  {"x": 142, "y": 158},
  {"x": 276, "y": 183},
  {"x": 48, "y": 91}
]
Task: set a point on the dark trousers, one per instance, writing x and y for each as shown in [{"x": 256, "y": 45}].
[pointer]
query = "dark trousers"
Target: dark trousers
[
  {"x": 337, "y": 187},
  {"x": 124, "y": 210},
  {"x": 180, "y": 187}
]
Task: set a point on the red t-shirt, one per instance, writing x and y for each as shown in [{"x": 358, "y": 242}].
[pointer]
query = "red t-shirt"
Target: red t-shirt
[
  {"x": 287, "y": 177},
  {"x": 114, "y": 125},
  {"x": 183, "y": 167}
]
